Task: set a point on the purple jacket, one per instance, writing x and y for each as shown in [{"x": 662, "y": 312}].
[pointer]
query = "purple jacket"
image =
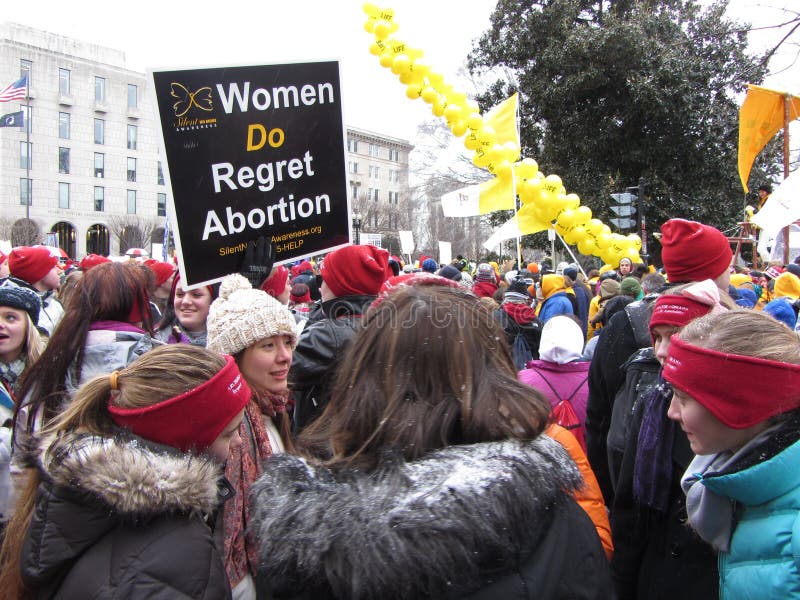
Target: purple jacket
[{"x": 565, "y": 379}]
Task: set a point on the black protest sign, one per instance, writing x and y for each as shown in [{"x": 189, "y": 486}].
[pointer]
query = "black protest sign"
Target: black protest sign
[{"x": 253, "y": 151}]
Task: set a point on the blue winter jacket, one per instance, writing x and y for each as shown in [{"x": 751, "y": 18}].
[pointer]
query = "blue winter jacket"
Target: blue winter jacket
[
  {"x": 557, "y": 304},
  {"x": 764, "y": 557}
]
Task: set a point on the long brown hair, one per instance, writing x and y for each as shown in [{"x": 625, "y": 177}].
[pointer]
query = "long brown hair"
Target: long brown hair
[
  {"x": 162, "y": 373},
  {"x": 430, "y": 368},
  {"x": 107, "y": 292}
]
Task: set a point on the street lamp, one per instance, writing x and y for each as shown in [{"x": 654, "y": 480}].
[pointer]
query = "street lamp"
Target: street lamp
[{"x": 357, "y": 226}]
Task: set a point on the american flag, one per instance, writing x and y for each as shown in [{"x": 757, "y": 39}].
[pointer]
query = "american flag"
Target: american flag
[{"x": 16, "y": 91}]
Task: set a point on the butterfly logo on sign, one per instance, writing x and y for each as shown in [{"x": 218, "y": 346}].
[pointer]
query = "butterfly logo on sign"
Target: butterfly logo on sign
[{"x": 200, "y": 99}]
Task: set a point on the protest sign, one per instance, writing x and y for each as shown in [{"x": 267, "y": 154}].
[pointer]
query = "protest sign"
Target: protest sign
[{"x": 252, "y": 151}]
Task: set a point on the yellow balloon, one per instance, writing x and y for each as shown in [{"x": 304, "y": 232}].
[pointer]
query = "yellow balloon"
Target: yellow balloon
[
  {"x": 369, "y": 25},
  {"x": 413, "y": 91},
  {"x": 480, "y": 158},
  {"x": 386, "y": 59},
  {"x": 603, "y": 241},
  {"x": 439, "y": 104},
  {"x": 429, "y": 94},
  {"x": 371, "y": 9},
  {"x": 587, "y": 246},
  {"x": 475, "y": 121},
  {"x": 471, "y": 141},
  {"x": 487, "y": 136},
  {"x": 609, "y": 256},
  {"x": 635, "y": 242},
  {"x": 579, "y": 232},
  {"x": 376, "y": 49},
  {"x": 410, "y": 76},
  {"x": 566, "y": 218},
  {"x": 452, "y": 112},
  {"x": 605, "y": 229},
  {"x": 527, "y": 168},
  {"x": 382, "y": 29},
  {"x": 583, "y": 214},
  {"x": 458, "y": 128},
  {"x": 594, "y": 226},
  {"x": 503, "y": 169},
  {"x": 552, "y": 186},
  {"x": 633, "y": 254},
  {"x": 573, "y": 201}
]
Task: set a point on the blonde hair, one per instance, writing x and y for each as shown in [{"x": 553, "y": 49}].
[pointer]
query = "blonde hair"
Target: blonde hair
[
  {"x": 746, "y": 333},
  {"x": 164, "y": 372},
  {"x": 34, "y": 342}
]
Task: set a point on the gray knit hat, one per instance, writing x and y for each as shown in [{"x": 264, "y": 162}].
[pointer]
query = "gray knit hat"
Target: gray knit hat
[
  {"x": 22, "y": 299},
  {"x": 242, "y": 316}
]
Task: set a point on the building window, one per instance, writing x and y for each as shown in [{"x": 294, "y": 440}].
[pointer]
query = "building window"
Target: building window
[
  {"x": 99, "y": 89},
  {"x": 353, "y": 167},
  {"x": 99, "y": 164},
  {"x": 99, "y": 198},
  {"x": 161, "y": 207},
  {"x": 25, "y": 191},
  {"x": 63, "y": 195},
  {"x": 131, "y": 202},
  {"x": 131, "y": 169},
  {"x": 133, "y": 96},
  {"x": 374, "y": 172},
  {"x": 99, "y": 131},
  {"x": 132, "y": 135},
  {"x": 160, "y": 174},
  {"x": 352, "y": 145},
  {"x": 374, "y": 150},
  {"x": 28, "y": 116},
  {"x": 25, "y": 150},
  {"x": 26, "y": 68},
  {"x": 63, "y": 160},
  {"x": 63, "y": 82},
  {"x": 394, "y": 154},
  {"x": 353, "y": 192},
  {"x": 63, "y": 125}
]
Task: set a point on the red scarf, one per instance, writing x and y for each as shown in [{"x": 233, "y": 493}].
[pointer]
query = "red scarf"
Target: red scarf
[
  {"x": 242, "y": 470},
  {"x": 521, "y": 313}
]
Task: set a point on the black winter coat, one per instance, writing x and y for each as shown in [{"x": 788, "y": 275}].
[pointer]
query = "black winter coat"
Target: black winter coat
[
  {"x": 657, "y": 555},
  {"x": 489, "y": 520},
  {"x": 618, "y": 340},
  {"x": 118, "y": 518},
  {"x": 320, "y": 347}
]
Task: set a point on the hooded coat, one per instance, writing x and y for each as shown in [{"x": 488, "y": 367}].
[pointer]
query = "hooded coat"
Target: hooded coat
[
  {"x": 488, "y": 520},
  {"x": 120, "y": 517}
]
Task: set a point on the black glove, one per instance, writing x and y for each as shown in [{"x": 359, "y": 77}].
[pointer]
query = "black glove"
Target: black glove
[{"x": 258, "y": 260}]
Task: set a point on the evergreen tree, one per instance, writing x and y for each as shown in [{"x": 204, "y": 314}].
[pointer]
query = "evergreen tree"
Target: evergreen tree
[{"x": 615, "y": 90}]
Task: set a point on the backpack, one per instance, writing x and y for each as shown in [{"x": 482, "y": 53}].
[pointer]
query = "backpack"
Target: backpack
[
  {"x": 563, "y": 414},
  {"x": 521, "y": 351}
]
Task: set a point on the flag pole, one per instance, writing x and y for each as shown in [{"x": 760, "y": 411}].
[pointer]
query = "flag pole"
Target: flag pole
[
  {"x": 514, "y": 192},
  {"x": 787, "y": 98},
  {"x": 27, "y": 122}
]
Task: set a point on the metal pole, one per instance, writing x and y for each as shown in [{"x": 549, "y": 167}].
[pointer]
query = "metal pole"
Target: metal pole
[
  {"x": 29, "y": 191},
  {"x": 786, "y": 99},
  {"x": 641, "y": 218}
]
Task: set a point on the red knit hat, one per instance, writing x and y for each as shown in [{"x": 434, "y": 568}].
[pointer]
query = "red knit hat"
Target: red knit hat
[
  {"x": 31, "y": 263},
  {"x": 356, "y": 270},
  {"x": 162, "y": 270},
  {"x": 300, "y": 294},
  {"x": 692, "y": 251},
  {"x": 275, "y": 284},
  {"x": 92, "y": 260}
]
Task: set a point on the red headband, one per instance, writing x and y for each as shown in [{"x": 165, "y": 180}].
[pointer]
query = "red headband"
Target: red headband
[
  {"x": 676, "y": 311},
  {"x": 193, "y": 420},
  {"x": 731, "y": 386}
]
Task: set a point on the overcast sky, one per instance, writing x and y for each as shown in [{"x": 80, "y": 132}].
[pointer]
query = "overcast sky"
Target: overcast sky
[{"x": 191, "y": 34}]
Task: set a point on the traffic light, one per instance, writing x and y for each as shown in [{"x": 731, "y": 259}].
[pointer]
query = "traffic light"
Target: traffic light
[{"x": 625, "y": 209}]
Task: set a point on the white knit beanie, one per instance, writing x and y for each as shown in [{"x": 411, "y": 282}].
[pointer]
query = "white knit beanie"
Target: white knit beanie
[{"x": 242, "y": 316}]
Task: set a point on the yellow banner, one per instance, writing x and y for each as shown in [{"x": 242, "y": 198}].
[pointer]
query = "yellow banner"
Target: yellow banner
[
  {"x": 503, "y": 119},
  {"x": 760, "y": 118}
]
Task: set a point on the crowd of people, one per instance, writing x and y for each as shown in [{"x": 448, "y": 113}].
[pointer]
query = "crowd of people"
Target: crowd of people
[{"x": 363, "y": 428}]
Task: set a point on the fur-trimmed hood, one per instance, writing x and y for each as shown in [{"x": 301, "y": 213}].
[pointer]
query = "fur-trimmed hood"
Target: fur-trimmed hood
[
  {"x": 435, "y": 527},
  {"x": 133, "y": 477}
]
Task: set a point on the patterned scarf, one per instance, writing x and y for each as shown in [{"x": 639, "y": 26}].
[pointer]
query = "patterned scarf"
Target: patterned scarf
[
  {"x": 242, "y": 470},
  {"x": 520, "y": 312},
  {"x": 10, "y": 372}
]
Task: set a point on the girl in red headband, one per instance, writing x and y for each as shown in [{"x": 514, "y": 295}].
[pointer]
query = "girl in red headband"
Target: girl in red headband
[
  {"x": 736, "y": 378},
  {"x": 125, "y": 481},
  {"x": 656, "y": 555}
]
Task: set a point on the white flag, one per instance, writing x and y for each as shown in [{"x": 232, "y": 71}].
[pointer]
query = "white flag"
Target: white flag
[{"x": 464, "y": 202}]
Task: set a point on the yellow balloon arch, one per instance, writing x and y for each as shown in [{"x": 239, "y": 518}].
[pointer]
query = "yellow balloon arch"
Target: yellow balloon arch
[{"x": 544, "y": 200}]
